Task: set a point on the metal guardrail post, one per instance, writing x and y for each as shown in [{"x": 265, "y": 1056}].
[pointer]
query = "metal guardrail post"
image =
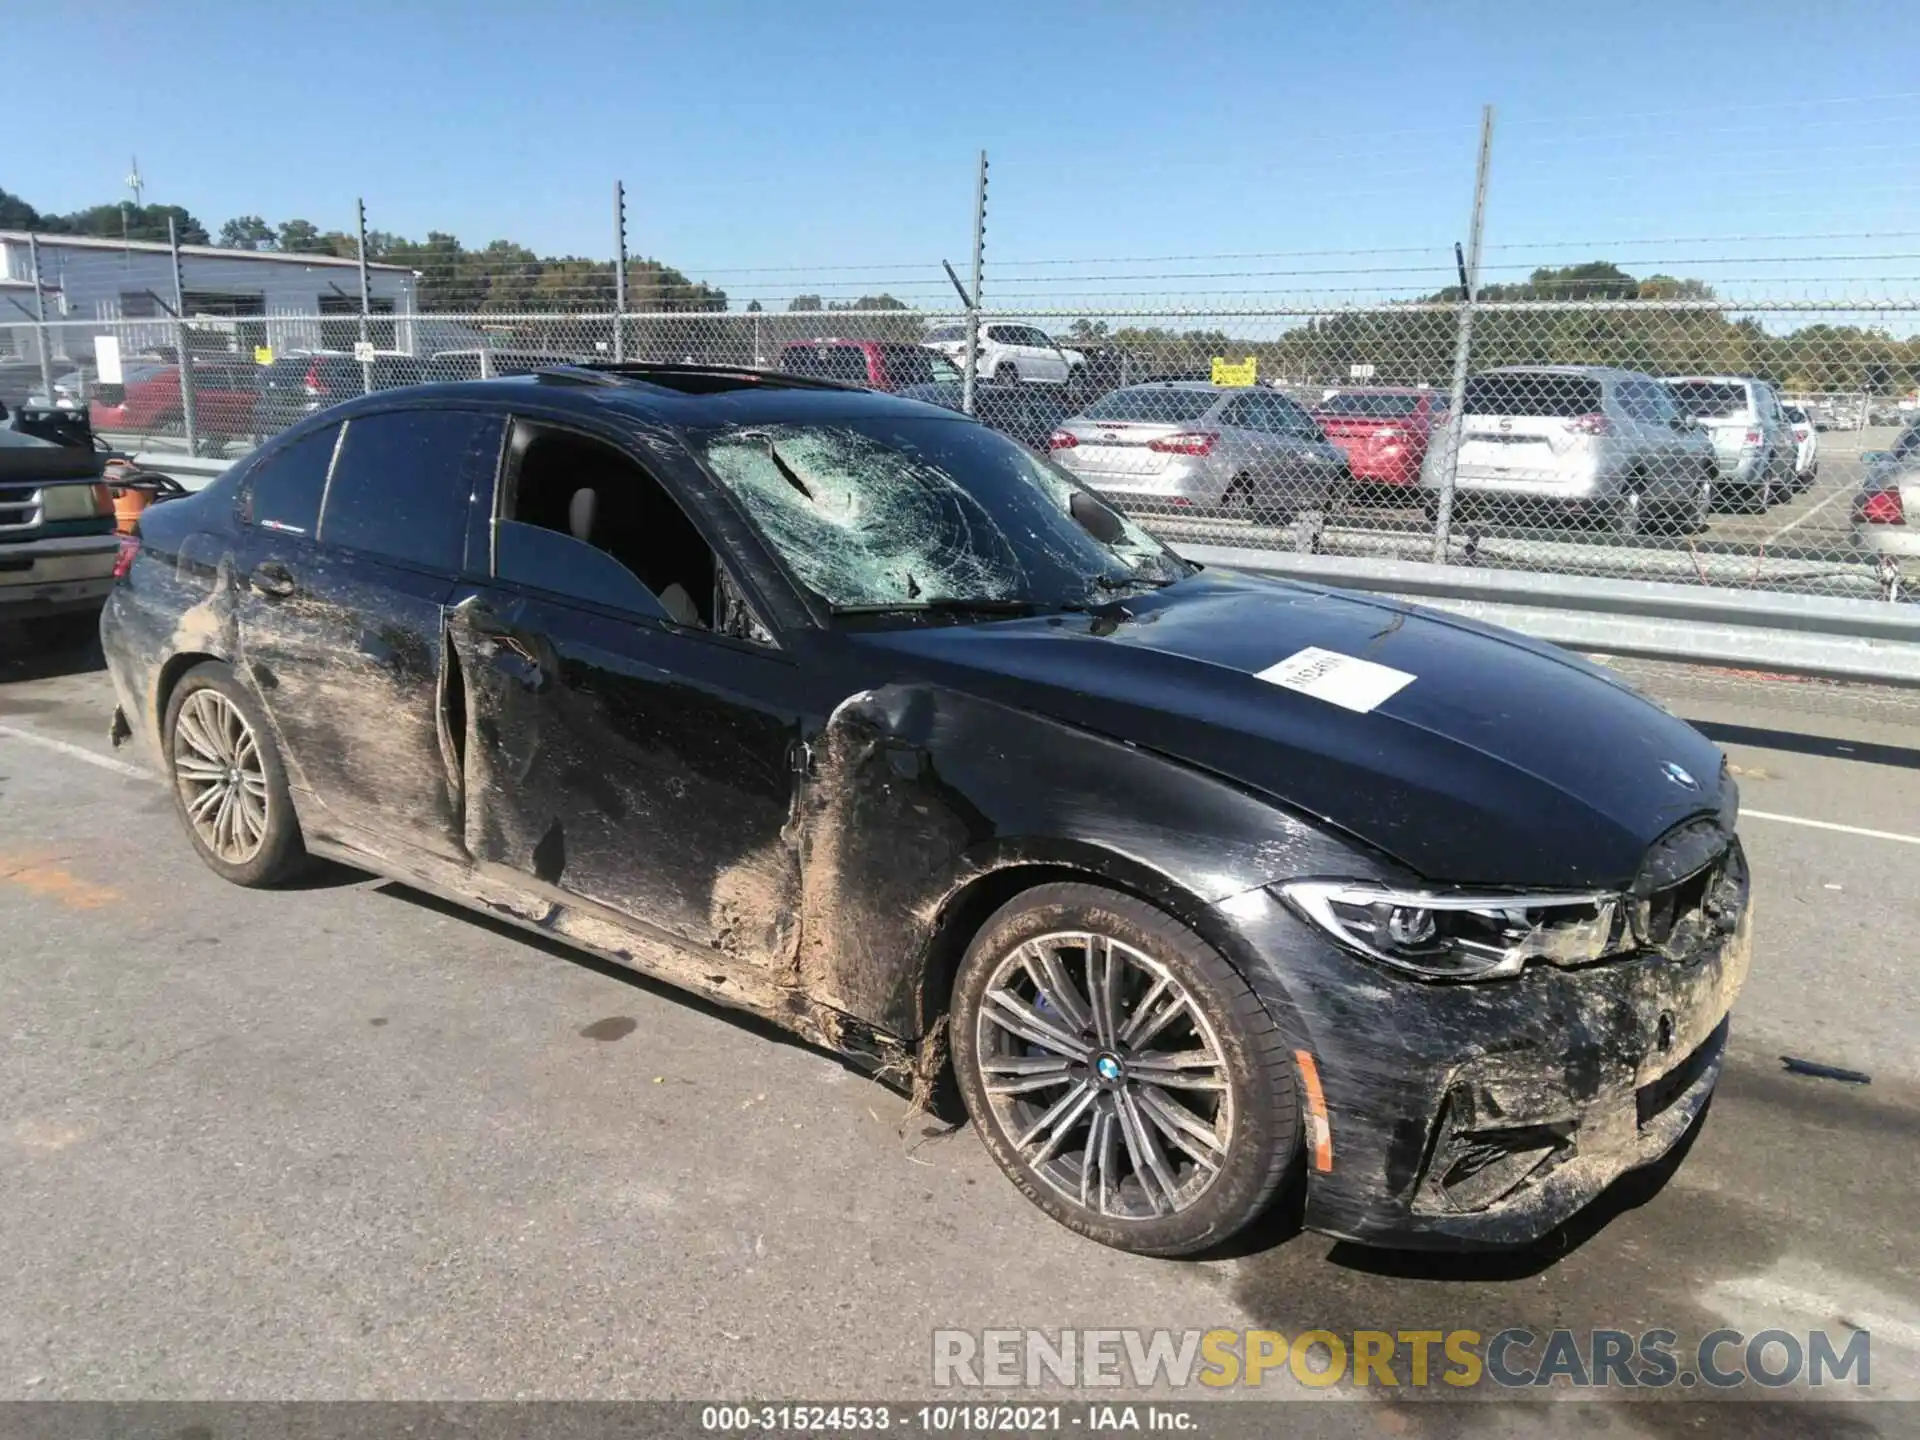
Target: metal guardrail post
[
  {"x": 1463, "y": 345},
  {"x": 973, "y": 310},
  {"x": 40, "y": 339},
  {"x": 620, "y": 273},
  {"x": 189, "y": 406}
]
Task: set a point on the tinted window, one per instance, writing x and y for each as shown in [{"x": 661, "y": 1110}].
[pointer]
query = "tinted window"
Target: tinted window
[
  {"x": 1153, "y": 404},
  {"x": 827, "y": 362},
  {"x": 401, "y": 483},
  {"x": 284, "y": 490},
  {"x": 1709, "y": 399},
  {"x": 1370, "y": 407},
  {"x": 1909, "y": 442},
  {"x": 1541, "y": 396},
  {"x": 909, "y": 365}
]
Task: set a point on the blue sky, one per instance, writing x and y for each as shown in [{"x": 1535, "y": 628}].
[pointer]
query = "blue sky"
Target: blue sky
[{"x": 830, "y": 133}]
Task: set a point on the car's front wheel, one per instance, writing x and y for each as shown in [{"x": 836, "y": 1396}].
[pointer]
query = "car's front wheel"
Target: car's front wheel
[
  {"x": 1121, "y": 1072},
  {"x": 228, "y": 783}
]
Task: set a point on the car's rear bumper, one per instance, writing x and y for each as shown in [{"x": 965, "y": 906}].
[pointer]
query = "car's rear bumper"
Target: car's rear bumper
[
  {"x": 56, "y": 576},
  {"x": 1486, "y": 1115}
]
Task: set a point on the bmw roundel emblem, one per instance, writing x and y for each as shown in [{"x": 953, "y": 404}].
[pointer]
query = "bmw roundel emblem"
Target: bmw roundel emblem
[
  {"x": 1680, "y": 776},
  {"x": 1108, "y": 1067}
]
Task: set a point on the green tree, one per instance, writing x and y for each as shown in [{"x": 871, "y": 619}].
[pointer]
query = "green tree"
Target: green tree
[
  {"x": 301, "y": 237},
  {"x": 247, "y": 232}
]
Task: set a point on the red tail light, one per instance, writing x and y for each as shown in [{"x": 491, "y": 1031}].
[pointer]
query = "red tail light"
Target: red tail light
[
  {"x": 1062, "y": 440},
  {"x": 1883, "y": 507},
  {"x": 1589, "y": 425},
  {"x": 123, "y": 561},
  {"x": 1187, "y": 442},
  {"x": 1754, "y": 440},
  {"x": 310, "y": 382}
]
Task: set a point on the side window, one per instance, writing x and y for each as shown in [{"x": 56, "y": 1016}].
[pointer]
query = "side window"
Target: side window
[
  {"x": 283, "y": 492},
  {"x": 1004, "y": 334},
  {"x": 402, "y": 482},
  {"x": 582, "y": 520},
  {"x": 1283, "y": 417}
]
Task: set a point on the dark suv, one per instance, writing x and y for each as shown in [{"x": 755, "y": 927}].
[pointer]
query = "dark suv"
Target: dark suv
[
  {"x": 852, "y": 713},
  {"x": 876, "y": 364}
]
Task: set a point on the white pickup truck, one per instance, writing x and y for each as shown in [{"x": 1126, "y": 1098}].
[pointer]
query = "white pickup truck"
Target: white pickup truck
[{"x": 57, "y": 540}]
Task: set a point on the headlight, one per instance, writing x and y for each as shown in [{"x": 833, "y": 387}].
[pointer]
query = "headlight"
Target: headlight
[{"x": 1462, "y": 936}]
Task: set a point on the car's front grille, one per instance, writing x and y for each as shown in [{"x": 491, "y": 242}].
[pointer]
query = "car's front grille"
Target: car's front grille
[{"x": 19, "y": 508}]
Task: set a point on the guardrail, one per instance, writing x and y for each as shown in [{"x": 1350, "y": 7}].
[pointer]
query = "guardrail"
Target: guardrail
[
  {"x": 1816, "y": 635},
  {"x": 1835, "y": 638}
]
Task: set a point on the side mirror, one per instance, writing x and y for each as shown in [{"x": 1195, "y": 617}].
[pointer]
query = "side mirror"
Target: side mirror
[{"x": 1096, "y": 519}]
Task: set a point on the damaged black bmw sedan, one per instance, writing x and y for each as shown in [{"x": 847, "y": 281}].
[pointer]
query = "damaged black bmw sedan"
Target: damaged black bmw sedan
[{"x": 849, "y": 712}]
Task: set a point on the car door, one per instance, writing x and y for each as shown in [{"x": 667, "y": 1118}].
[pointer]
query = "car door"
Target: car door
[
  {"x": 1043, "y": 360},
  {"x": 357, "y": 533},
  {"x": 614, "y": 755}
]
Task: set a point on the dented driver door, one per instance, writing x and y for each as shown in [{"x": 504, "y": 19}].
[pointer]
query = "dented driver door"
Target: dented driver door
[{"x": 616, "y": 758}]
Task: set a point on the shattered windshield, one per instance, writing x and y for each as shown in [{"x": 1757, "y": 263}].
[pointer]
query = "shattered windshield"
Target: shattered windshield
[{"x": 886, "y": 512}]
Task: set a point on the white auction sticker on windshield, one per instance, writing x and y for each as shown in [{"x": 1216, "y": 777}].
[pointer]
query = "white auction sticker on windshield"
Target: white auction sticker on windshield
[{"x": 1343, "y": 680}]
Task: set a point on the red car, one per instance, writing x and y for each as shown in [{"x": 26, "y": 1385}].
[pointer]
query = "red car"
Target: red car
[
  {"x": 224, "y": 395},
  {"x": 1383, "y": 431}
]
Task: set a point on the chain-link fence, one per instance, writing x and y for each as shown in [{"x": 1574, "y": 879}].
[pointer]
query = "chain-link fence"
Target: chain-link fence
[{"x": 1727, "y": 411}]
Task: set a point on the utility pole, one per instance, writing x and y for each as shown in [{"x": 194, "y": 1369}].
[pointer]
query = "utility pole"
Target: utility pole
[
  {"x": 366, "y": 301},
  {"x": 188, "y": 417}
]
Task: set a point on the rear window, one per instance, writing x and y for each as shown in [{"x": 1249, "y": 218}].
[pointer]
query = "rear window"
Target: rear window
[
  {"x": 1153, "y": 405},
  {"x": 1709, "y": 399},
  {"x": 1540, "y": 396},
  {"x": 1370, "y": 407},
  {"x": 908, "y": 365},
  {"x": 828, "y": 362}
]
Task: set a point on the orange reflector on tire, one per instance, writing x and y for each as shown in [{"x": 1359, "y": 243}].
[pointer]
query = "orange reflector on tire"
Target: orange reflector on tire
[{"x": 1319, "y": 1132}]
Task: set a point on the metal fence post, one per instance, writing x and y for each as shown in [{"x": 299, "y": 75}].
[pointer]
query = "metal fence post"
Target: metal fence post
[
  {"x": 973, "y": 310},
  {"x": 366, "y": 299},
  {"x": 1463, "y": 344},
  {"x": 189, "y": 421},
  {"x": 619, "y": 272},
  {"x": 40, "y": 309}
]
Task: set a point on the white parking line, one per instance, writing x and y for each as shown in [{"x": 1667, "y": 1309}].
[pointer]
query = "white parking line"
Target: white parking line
[
  {"x": 77, "y": 752},
  {"x": 1838, "y": 490},
  {"x": 1829, "y": 825}
]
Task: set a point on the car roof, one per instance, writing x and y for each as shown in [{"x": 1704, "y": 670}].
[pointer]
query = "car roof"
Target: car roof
[
  {"x": 1712, "y": 380},
  {"x": 689, "y": 396},
  {"x": 1595, "y": 371}
]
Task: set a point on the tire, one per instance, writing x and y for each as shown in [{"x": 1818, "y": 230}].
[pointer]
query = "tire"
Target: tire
[
  {"x": 1173, "y": 1202},
  {"x": 222, "y": 724},
  {"x": 1236, "y": 502},
  {"x": 1625, "y": 517}
]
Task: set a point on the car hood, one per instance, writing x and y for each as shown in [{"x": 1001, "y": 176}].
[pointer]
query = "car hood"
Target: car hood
[{"x": 1503, "y": 762}]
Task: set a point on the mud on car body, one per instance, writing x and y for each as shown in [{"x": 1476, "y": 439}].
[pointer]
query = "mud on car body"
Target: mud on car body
[{"x": 847, "y": 711}]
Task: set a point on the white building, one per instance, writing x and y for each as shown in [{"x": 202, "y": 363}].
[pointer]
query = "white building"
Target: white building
[{"x": 236, "y": 300}]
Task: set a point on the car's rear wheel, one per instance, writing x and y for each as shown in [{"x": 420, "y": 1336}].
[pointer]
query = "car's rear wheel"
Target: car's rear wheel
[
  {"x": 228, "y": 783},
  {"x": 1121, "y": 1072},
  {"x": 1624, "y": 517}
]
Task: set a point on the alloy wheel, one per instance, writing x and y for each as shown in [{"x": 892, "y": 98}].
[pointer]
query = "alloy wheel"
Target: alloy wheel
[
  {"x": 1105, "y": 1076},
  {"x": 222, "y": 778}
]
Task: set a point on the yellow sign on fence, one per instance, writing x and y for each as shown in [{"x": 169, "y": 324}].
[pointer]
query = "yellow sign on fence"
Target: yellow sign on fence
[
  {"x": 1236, "y": 372},
  {"x": 263, "y": 355}
]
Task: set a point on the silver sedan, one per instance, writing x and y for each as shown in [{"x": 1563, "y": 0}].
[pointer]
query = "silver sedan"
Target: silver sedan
[{"x": 1189, "y": 445}]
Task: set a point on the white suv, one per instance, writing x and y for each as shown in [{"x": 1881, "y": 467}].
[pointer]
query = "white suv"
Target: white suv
[
  {"x": 1009, "y": 352},
  {"x": 1753, "y": 441}
]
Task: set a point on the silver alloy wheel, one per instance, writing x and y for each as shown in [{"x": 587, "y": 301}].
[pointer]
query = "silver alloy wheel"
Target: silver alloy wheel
[
  {"x": 1626, "y": 513},
  {"x": 1104, "y": 1075},
  {"x": 222, "y": 779}
]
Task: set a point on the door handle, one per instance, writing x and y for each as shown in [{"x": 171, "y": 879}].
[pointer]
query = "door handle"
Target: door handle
[{"x": 272, "y": 580}]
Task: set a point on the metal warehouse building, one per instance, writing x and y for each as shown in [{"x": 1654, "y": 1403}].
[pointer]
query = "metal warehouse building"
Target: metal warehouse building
[{"x": 236, "y": 300}]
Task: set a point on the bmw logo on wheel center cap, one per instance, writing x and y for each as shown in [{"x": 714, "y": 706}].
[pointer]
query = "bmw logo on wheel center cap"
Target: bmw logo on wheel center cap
[{"x": 1108, "y": 1067}]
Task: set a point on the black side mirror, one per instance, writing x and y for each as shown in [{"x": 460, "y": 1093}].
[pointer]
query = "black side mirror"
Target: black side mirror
[{"x": 1096, "y": 518}]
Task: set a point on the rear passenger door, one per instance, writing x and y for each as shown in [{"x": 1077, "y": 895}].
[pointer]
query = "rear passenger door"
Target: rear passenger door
[{"x": 342, "y": 628}]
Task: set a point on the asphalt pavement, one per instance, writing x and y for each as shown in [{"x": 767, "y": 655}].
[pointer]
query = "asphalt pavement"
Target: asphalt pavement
[{"x": 345, "y": 1141}]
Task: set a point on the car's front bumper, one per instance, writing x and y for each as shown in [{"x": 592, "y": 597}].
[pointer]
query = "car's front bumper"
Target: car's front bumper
[
  {"x": 1487, "y": 1114},
  {"x": 56, "y": 576}
]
